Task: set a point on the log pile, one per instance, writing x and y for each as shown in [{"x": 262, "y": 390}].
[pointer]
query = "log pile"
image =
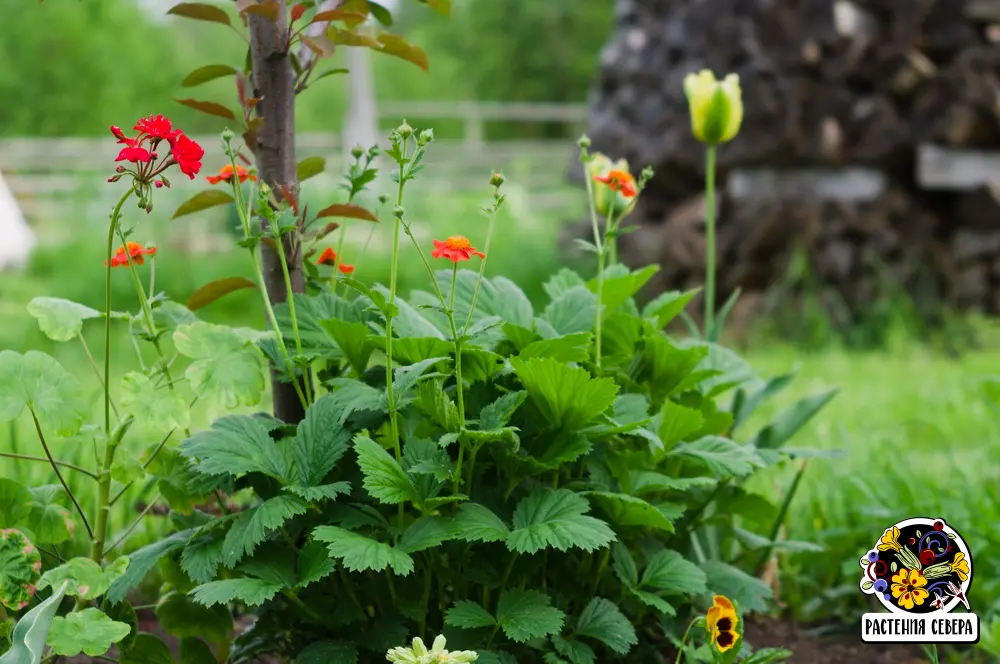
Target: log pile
[{"x": 827, "y": 84}]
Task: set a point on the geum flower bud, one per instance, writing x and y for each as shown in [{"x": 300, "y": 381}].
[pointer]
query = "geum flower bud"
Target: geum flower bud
[{"x": 716, "y": 107}]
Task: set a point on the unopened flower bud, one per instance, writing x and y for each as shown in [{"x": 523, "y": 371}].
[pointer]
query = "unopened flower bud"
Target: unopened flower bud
[
  {"x": 583, "y": 142},
  {"x": 716, "y": 106},
  {"x": 646, "y": 175},
  {"x": 119, "y": 169},
  {"x": 114, "y": 178},
  {"x": 152, "y": 155},
  {"x": 404, "y": 130},
  {"x": 374, "y": 151},
  {"x": 149, "y": 208},
  {"x": 159, "y": 184},
  {"x": 227, "y": 135},
  {"x": 166, "y": 182},
  {"x": 397, "y": 211},
  {"x": 426, "y": 136},
  {"x": 117, "y": 132},
  {"x": 383, "y": 199},
  {"x": 497, "y": 179},
  {"x": 357, "y": 152}
]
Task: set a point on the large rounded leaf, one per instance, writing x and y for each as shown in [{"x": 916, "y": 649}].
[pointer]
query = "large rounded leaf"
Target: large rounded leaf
[
  {"x": 227, "y": 368},
  {"x": 60, "y": 319},
  {"x": 37, "y": 382},
  {"x": 89, "y": 631},
  {"x": 20, "y": 566}
]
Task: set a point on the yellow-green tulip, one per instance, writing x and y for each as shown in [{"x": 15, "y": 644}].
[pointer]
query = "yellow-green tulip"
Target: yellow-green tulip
[
  {"x": 606, "y": 195},
  {"x": 716, "y": 106}
]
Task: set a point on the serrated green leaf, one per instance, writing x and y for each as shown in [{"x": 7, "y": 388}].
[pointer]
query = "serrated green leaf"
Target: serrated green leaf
[
  {"x": 577, "y": 652},
  {"x": 677, "y": 423},
  {"x": 556, "y": 518},
  {"x": 654, "y": 601},
  {"x": 566, "y": 397},
  {"x": 252, "y": 526},
  {"x": 352, "y": 396},
  {"x": 435, "y": 403},
  {"x": 252, "y": 592},
  {"x": 360, "y": 553},
  {"x": 468, "y": 615},
  {"x": 623, "y": 564},
  {"x": 667, "y": 306},
  {"x": 476, "y": 523},
  {"x": 425, "y": 533},
  {"x": 574, "y": 311},
  {"x": 86, "y": 579},
  {"x": 156, "y": 412},
  {"x": 37, "y": 382},
  {"x": 625, "y": 510},
  {"x": 89, "y": 631},
  {"x": 562, "y": 281},
  {"x": 669, "y": 572},
  {"x": 385, "y": 479},
  {"x": 406, "y": 378},
  {"x": 569, "y": 348},
  {"x": 527, "y": 614},
  {"x": 328, "y": 652},
  {"x": 315, "y": 494},
  {"x": 320, "y": 442},
  {"x": 181, "y": 617},
  {"x": 666, "y": 367},
  {"x": 618, "y": 289},
  {"x": 353, "y": 339},
  {"x": 201, "y": 557},
  {"x": 50, "y": 518},
  {"x": 234, "y": 445},
  {"x": 315, "y": 563},
  {"x": 749, "y": 592},
  {"x": 141, "y": 561},
  {"x": 59, "y": 319},
  {"x": 643, "y": 482},
  {"x": 721, "y": 456},
  {"x": 602, "y": 620},
  {"x": 227, "y": 368}
]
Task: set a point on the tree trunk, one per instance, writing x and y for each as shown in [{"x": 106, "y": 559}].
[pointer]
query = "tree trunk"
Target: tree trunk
[{"x": 274, "y": 85}]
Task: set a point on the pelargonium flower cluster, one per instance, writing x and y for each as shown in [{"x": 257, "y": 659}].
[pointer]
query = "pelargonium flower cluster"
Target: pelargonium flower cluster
[{"x": 146, "y": 164}]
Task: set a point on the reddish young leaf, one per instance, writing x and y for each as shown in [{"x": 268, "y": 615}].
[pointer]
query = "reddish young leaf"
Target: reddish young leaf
[
  {"x": 202, "y": 201},
  {"x": 270, "y": 9},
  {"x": 347, "y": 211},
  {"x": 399, "y": 47},
  {"x": 321, "y": 46},
  {"x": 297, "y": 12},
  {"x": 206, "y": 74},
  {"x": 309, "y": 167},
  {"x": 212, "y": 291},
  {"x": 200, "y": 12},
  {"x": 358, "y": 7},
  {"x": 338, "y": 15},
  {"x": 209, "y": 107},
  {"x": 442, "y": 7},
  {"x": 288, "y": 196},
  {"x": 351, "y": 38}
]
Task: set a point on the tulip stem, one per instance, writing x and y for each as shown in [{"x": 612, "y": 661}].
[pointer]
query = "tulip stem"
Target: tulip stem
[{"x": 709, "y": 238}]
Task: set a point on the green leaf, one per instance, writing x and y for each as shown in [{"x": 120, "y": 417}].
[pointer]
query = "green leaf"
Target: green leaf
[
  {"x": 37, "y": 382},
  {"x": 789, "y": 421},
  {"x": 252, "y": 526},
  {"x": 195, "y": 651},
  {"x": 15, "y": 502},
  {"x": 666, "y": 306},
  {"x": 354, "y": 341},
  {"x": 562, "y": 281},
  {"x": 624, "y": 565},
  {"x": 577, "y": 652},
  {"x": 425, "y": 533},
  {"x": 654, "y": 601},
  {"x": 647, "y": 481},
  {"x": 157, "y": 412},
  {"x": 32, "y": 630},
  {"x": 768, "y": 656},
  {"x": 200, "y": 12},
  {"x": 20, "y": 564},
  {"x": 566, "y": 397},
  {"x": 405, "y": 378},
  {"x": 320, "y": 441},
  {"x": 385, "y": 480},
  {"x": 602, "y": 620},
  {"x": 141, "y": 561},
  {"x": 227, "y": 367},
  {"x": 321, "y": 492},
  {"x": 252, "y": 592},
  {"x": 327, "y": 652},
  {"x": 476, "y": 523},
  {"x": 123, "y": 612},
  {"x": 202, "y": 201},
  {"x": 86, "y": 578},
  {"x": 181, "y": 617},
  {"x": 209, "y": 108},
  {"x": 50, "y": 520},
  {"x": 60, "y": 319},
  {"x": 88, "y": 630},
  {"x": 625, "y": 510},
  {"x": 721, "y": 456},
  {"x": 359, "y": 553},
  {"x": 669, "y": 572},
  {"x": 206, "y": 74},
  {"x": 314, "y": 563},
  {"x": 556, "y": 518},
  {"x": 468, "y": 615},
  {"x": 618, "y": 289},
  {"x": 352, "y": 396},
  {"x": 178, "y": 481},
  {"x": 749, "y": 592},
  {"x": 570, "y": 348},
  {"x": 148, "y": 649},
  {"x": 235, "y": 444},
  {"x": 202, "y": 556},
  {"x": 214, "y": 290},
  {"x": 677, "y": 423},
  {"x": 574, "y": 311},
  {"x": 309, "y": 167},
  {"x": 526, "y": 614}
]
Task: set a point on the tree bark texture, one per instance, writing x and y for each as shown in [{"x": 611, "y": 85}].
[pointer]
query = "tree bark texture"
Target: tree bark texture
[{"x": 274, "y": 85}]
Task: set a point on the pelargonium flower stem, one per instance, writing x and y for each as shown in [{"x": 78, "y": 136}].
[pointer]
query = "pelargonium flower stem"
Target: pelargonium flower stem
[{"x": 115, "y": 215}]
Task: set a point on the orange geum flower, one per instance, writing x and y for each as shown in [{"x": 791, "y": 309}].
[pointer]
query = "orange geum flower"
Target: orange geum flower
[
  {"x": 329, "y": 257},
  {"x": 456, "y": 248},
  {"x": 619, "y": 180},
  {"x": 226, "y": 175},
  {"x": 135, "y": 250}
]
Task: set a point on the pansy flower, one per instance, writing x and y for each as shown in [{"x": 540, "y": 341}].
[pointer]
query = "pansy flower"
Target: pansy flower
[
  {"x": 456, "y": 248},
  {"x": 721, "y": 621}
]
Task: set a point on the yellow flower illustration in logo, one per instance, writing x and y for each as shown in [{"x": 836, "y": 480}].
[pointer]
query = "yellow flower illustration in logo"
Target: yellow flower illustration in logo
[
  {"x": 890, "y": 540},
  {"x": 960, "y": 566},
  {"x": 908, "y": 588}
]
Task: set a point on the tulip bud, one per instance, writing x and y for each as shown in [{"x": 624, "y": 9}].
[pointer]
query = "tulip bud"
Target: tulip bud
[{"x": 716, "y": 106}]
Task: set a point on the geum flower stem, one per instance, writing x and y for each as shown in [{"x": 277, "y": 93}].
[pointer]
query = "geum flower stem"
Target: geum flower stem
[
  {"x": 601, "y": 253},
  {"x": 599, "y": 245},
  {"x": 244, "y": 213},
  {"x": 482, "y": 268},
  {"x": 459, "y": 387},
  {"x": 280, "y": 250}
]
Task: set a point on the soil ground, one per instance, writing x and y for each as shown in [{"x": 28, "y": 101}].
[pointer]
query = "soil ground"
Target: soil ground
[{"x": 840, "y": 649}]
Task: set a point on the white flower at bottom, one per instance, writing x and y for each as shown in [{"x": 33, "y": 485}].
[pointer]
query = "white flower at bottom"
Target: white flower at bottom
[{"x": 418, "y": 653}]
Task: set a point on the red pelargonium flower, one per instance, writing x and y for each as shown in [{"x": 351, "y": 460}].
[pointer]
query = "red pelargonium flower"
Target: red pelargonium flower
[
  {"x": 155, "y": 127},
  {"x": 187, "y": 153},
  {"x": 135, "y": 250},
  {"x": 329, "y": 257},
  {"x": 134, "y": 154},
  {"x": 226, "y": 175},
  {"x": 619, "y": 181},
  {"x": 456, "y": 248}
]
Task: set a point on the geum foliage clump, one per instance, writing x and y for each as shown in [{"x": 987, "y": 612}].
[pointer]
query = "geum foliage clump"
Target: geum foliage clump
[{"x": 465, "y": 467}]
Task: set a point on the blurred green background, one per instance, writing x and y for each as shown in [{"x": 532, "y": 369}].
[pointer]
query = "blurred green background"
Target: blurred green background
[{"x": 915, "y": 421}]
